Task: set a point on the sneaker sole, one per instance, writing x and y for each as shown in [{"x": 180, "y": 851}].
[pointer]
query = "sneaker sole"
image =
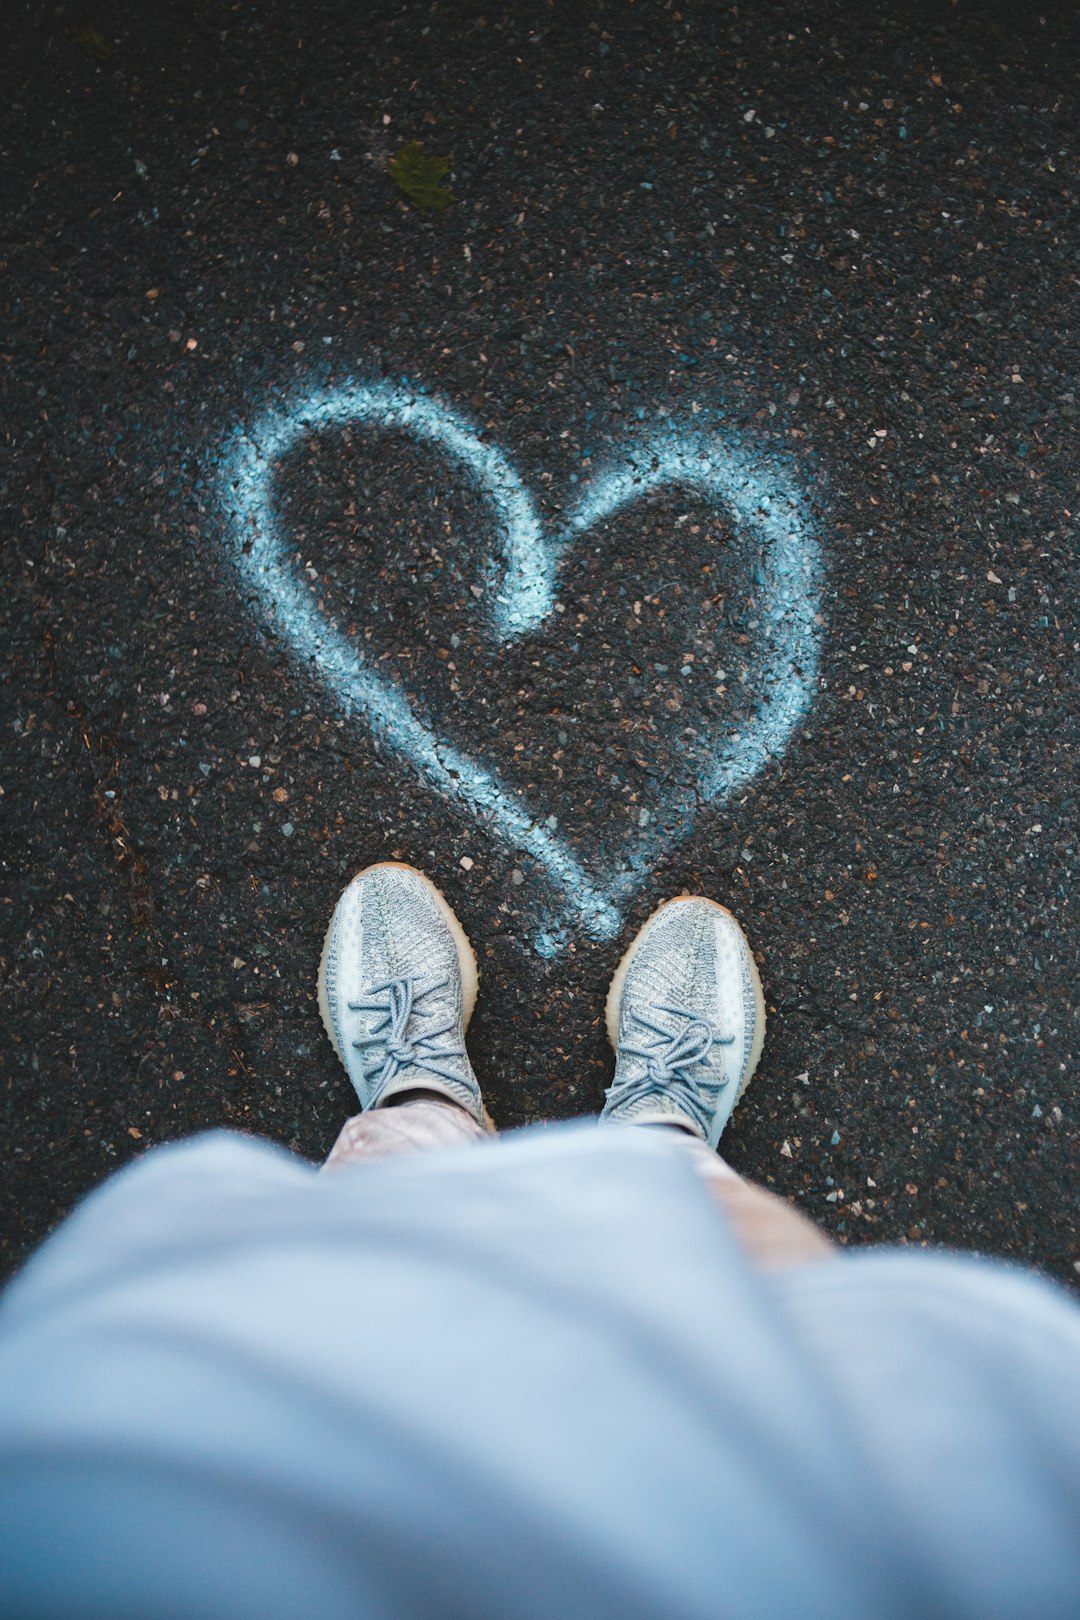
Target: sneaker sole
[
  {"x": 466, "y": 956},
  {"x": 613, "y": 1007}
]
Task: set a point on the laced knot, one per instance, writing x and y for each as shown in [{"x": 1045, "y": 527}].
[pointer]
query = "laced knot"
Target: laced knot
[
  {"x": 667, "y": 1057},
  {"x": 404, "y": 1045}
]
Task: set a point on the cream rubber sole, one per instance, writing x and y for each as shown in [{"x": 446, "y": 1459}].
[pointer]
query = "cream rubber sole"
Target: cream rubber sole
[{"x": 614, "y": 995}]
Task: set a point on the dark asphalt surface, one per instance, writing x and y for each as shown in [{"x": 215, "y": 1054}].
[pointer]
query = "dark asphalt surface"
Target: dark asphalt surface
[{"x": 843, "y": 235}]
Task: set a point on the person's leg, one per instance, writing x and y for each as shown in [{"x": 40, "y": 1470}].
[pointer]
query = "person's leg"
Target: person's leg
[
  {"x": 686, "y": 1016},
  {"x": 397, "y": 986},
  {"x": 414, "y": 1126},
  {"x": 772, "y": 1231}
]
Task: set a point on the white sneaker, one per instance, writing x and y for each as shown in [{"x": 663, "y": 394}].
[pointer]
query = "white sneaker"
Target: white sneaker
[
  {"x": 397, "y": 986},
  {"x": 686, "y": 1016}
]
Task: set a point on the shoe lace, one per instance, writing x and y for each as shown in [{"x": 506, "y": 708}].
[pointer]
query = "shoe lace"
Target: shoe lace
[
  {"x": 397, "y": 1002},
  {"x": 667, "y": 1057}
]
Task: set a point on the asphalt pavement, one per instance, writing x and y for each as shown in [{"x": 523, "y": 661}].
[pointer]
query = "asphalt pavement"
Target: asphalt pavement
[{"x": 592, "y": 452}]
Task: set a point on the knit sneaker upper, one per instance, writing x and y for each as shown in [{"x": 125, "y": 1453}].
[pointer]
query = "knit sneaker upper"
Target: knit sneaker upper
[
  {"x": 690, "y": 1021},
  {"x": 391, "y": 990}
]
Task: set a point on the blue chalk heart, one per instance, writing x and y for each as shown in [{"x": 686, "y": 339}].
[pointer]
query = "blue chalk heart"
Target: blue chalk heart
[{"x": 521, "y": 584}]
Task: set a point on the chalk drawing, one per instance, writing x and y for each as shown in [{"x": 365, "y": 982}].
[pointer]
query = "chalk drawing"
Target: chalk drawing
[{"x": 521, "y": 584}]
